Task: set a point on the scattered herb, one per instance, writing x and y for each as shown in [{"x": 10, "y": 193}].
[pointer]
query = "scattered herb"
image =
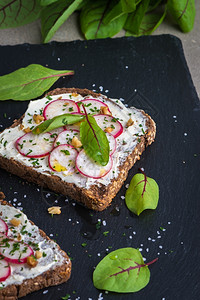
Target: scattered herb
[
  {"x": 67, "y": 296},
  {"x": 122, "y": 271},
  {"x": 84, "y": 244},
  {"x": 66, "y": 152},
  {"x": 142, "y": 193},
  {"x": 29, "y": 83},
  {"x": 94, "y": 140}
]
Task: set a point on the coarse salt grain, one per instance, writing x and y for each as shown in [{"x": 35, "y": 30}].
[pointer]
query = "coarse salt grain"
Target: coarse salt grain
[
  {"x": 51, "y": 234},
  {"x": 58, "y": 58},
  {"x": 101, "y": 88},
  {"x": 160, "y": 247},
  {"x": 130, "y": 237},
  {"x": 159, "y": 237},
  {"x": 127, "y": 185},
  {"x": 104, "y": 223},
  {"x": 122, "y": 197},
  {"x": 19, "y": 204},
  {"x": 24, "y": 196},
  {"x": 147, "y": 250},
  {"x": 15, "y": 199},
  {"x": 149, "y": 239},
  {"x": 169, "y": 223},
  {"x": 45, "y": 292},
  {"x": 98, "y": 254},
  {"x": 140, "y": 249},
  {"x": 134, "y": 232}
]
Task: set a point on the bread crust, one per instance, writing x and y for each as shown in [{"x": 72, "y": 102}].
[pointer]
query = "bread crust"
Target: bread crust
[
  {"x": 53, "y": 276},
  {"x": 97, "y": 197}
]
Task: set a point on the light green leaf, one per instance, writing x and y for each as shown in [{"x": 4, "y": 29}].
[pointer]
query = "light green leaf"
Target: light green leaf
[
  {"x": 121, "y": 8},
  {"x": 122, "y": 271},
  {"x": 54, "y": 15},
  {"x": 183, "y": 12},
  {"x": 142, "y": 193},
  {"x": 56, "y": 122},
  {"x": 94, "y": 141},
  {"x": 29, "y": 83},
  {"x": 92, "y": 20},
  {"x": 18, "y": 12}
]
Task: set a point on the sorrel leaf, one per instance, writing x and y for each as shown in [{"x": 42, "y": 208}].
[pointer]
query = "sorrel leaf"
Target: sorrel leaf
[
  {"x": 29, "y": 83},
  {"x": 122, "y": 271},
  {"x": 54, "y": 15},
  {"x": 56, "y": 122},
  {"x": 92, "y": 20},
  {"x": 47, "y": 2},
  {"x": 142, "y": 193},
  {"x": 121, "y": 8},
  {"x": 94, "y": 140},
  {"x": 18, "y": 12},
  {"x": 183, "y": 12}
]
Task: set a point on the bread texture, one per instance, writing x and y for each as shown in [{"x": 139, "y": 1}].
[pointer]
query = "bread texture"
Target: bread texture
[
  {"x": 53, "y": 276},
  {"x": 98, "y": 196}
]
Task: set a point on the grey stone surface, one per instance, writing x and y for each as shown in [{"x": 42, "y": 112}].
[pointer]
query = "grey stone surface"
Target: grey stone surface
[{"x": 70, "y": 31}]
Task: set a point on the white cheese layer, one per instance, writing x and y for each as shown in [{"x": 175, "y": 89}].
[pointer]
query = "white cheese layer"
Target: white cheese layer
[
  {"x": 51, "y": 255},
  {"x": 126, "y": 142}
]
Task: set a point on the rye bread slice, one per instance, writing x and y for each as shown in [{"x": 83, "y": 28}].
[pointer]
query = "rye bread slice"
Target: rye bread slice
[
  {"x": 97, "y": 197},
  {"x": 53, "y": 276}
]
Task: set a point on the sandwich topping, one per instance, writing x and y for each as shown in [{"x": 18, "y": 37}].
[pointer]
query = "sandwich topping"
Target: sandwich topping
[
  {"x": 24, "y": 253},
  {"x": 61, "y": 151}
]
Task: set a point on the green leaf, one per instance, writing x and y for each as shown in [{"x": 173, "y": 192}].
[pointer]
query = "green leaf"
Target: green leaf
[
  {"x": 56, "y": 122},
  {"x": 134, "y": 20},
  {"x": 122, "y": 271},
  {"x": 18, "y": 12},
  {"x": 183, "y": 12},
  {"x": 94, "y": 141},
  {"x": 121, "y": 8},
  {"x": 47, "y": 2},
  {"x": 54, "y": 15},
  {"x": 29, "y": 83},
  {"x": 150, "y": 23},
  {"x": 142, "y": 193},
  {"x": 92, "y": 20}
]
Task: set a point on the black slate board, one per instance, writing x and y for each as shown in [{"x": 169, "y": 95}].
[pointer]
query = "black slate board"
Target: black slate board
[{"x": 151, "y": 73}]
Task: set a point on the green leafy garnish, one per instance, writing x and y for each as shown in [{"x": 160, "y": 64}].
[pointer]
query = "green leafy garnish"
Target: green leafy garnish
[
  {"x": 66, "y": 297},
  {"x": 122, "y": 271},
  {"x": 142, "y": 193},
  {"x": 56, "y": 122},
  {"x": 94, "y": 140},
  {"x": 29, "y": 83}
]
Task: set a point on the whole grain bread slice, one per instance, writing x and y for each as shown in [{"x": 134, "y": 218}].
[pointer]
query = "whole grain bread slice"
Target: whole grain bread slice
[
  {"x": 97, "y": 197},
  {"x": 54, "y": 276}
]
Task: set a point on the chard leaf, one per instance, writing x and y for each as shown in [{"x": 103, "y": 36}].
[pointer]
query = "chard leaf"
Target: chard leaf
[
  {"x": 54, "y": 15},
  {"x": 183, "y": 12},
  {"x": 94, "y": 140},
  {"x": 142, "y": 193},
  {"x": 29, "y": 83},
  {"x": 92, "y": 20},
  {"x": 56, "y": 122},
  {"x": 150, "y": 23},
  {"x": 18, "y": 12},
  {"x": 122, "y": 271}
]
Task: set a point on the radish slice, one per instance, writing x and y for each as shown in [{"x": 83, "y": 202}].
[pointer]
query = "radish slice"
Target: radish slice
[
  {"x": 5, "y": 270},
  {"x": 62, "y": 159},
  {"x": 59, "y": 107},
  {"x": 107, "y": 122},
  {"x": 3, "y": 227},
  {"x": 14, "y": 251},
  {"x": 112, "y": 142},
  {"x": 66, "y": 136},
  {"x": 92, "y": 106},
  {"x": 89, "y": 168},
  {"x": 31, "y": 145}
]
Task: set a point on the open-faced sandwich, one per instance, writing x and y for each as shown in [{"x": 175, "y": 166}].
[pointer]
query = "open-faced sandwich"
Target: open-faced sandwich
[
  {"x": 29, "y": 259},
  {"x": 78, "y": 143}
]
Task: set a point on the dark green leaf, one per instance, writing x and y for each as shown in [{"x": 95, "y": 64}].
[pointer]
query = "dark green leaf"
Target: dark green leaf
[
  {"x": 56, "y": 122},
  {"x": 29, "y": 83},
  {"x": 128, "y": 5},
  {"x": 47, "y": 2},
  {"x": 153, "y": 4},
  {"x": 150, "y": 23},
  {"x": 54, "y": 15},
  {"x": 134, "y": 20},
  {"x": 183, "y": 13},
  {"x": 92, "y": 20},
  {"x": 122, "y": 271},
  {"x": 94, "y": 141},
  {"x": 18, "y": 12},
  {"x": 121, "y": 8},
  {"x": 142, "y": 193}
]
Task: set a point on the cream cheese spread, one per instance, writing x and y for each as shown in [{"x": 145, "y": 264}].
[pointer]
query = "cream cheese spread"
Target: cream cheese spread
[
  {"x": 51, "y": 255},
  {"x": 126, "y": 142}
]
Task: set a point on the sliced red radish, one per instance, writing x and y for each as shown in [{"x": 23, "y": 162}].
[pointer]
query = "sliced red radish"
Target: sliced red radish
[
  {"x": 93, "y": 106},
  {"x": 59, "y": 107},
  {"x": 3, "y": 227},
  {"x": 14, "y": 251},
  {"x": 109, "y": 124},
  {"x": 89, "y": 168},
  {"x": 112, "y": 142},
  {"x": 66, "y": 136},
  {"x": 5, "y": 269},
  {"x": 62, "y": 159},
  {"x": 32, "y": 145}
]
